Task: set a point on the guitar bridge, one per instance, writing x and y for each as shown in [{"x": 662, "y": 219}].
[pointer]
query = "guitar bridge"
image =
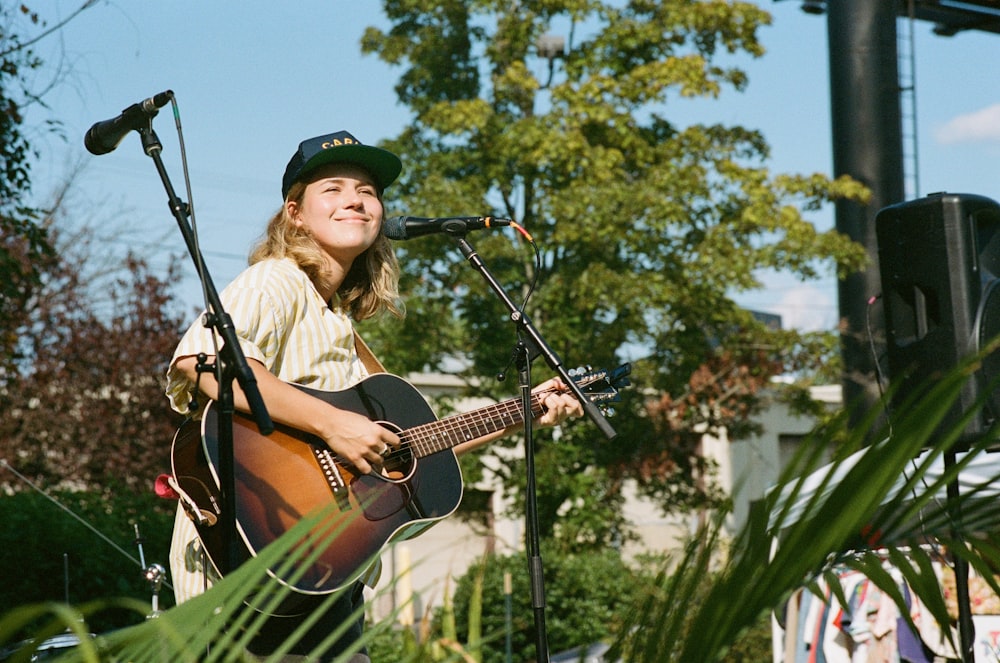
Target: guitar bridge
[{"x": 331, "y": 472}]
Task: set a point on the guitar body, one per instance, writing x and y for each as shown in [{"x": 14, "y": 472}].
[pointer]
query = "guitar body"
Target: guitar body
[{"x": 282, "y": 477}]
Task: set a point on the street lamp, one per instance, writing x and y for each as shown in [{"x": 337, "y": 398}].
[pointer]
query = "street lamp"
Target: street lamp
[{"x": 551, "y": 47}]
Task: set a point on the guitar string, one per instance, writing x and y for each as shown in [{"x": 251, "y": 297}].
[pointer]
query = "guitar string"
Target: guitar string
[
  {"x": 427, "y": 438},
  {"x": 422, "y": 437}
]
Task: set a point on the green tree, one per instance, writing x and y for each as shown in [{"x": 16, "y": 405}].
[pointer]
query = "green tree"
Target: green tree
[{"x": 644, "y": 229}]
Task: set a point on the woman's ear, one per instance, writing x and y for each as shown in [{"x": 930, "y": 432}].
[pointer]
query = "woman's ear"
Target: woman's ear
[{"x": 292, "y": 210}]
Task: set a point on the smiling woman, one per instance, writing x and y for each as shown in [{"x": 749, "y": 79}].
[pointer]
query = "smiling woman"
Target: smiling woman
[{"x": 322, "y": 264}]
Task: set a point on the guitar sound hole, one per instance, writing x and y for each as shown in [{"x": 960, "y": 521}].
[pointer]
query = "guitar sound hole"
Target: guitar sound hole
[
  {"x": 398, "y": 463},
  {"x": 387, "y": 491}
]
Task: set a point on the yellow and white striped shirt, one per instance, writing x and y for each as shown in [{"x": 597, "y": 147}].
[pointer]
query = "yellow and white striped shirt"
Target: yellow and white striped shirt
[{"x": 282, "y": 321}]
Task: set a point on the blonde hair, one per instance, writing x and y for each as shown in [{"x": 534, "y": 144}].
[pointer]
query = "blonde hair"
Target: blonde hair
[{"x": 370, "y": 287}]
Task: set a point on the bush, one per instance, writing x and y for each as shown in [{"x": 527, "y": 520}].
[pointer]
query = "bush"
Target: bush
[
  {"x": 46, "y": 553},
  {"x": 586, "y": 597},
  {"x": 753, "y": 646}
]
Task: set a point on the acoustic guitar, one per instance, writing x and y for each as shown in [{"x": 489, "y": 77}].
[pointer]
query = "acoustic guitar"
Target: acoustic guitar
[{"x": 282, "y": 477}]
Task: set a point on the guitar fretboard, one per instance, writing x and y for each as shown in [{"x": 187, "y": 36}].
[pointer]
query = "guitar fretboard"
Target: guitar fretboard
[{"x": 451, "y": 431}]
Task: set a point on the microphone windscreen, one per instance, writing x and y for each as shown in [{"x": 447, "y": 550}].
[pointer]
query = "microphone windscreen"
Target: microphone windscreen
[{"x": 394, "y": 227}]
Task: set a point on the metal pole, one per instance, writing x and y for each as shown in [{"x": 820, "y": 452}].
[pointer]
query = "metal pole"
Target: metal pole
[{"x": 868, "y": 146}]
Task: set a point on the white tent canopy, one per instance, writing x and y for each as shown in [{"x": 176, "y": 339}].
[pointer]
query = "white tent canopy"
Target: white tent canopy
[{"x": 978, "y": 476}]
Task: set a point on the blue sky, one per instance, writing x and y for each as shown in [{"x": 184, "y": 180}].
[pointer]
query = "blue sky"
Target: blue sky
[{"x": 254, "y": 78}]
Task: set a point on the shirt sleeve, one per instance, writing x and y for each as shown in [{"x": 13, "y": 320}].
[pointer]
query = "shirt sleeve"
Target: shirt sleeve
[{"x": 259, "y": 326}]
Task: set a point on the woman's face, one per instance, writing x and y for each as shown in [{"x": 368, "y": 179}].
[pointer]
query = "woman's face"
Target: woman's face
[{"x": 341, "y": 209}]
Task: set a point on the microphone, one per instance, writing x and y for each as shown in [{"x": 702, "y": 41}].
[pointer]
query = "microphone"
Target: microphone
[
  {"x": 408, "y": 227},
  {"x": 105, "y": 136}
]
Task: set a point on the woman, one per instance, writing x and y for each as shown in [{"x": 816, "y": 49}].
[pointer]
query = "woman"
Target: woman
[{"x": 322, "y": 264}]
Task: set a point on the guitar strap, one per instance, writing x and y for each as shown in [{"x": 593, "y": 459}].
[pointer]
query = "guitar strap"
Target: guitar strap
[
  {"x": 366, "y": 355},
  {"x": 372, "y": 574}
]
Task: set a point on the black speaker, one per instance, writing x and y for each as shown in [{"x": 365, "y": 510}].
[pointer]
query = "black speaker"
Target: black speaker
[{"x": 939, "y": 261}]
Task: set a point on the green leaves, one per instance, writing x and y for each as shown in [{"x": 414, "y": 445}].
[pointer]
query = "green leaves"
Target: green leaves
[
  {"x": 885, "y": 503},
  {"x": 645, "y": 229},
  {"x": 438, "y": 46}
]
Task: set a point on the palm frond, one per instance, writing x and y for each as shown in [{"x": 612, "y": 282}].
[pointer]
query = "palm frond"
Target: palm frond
[{"x": 892, "y": 495}]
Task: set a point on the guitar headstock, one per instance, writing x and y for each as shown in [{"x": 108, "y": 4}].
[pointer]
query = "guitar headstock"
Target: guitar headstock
[{"x": 602, "y": 385}]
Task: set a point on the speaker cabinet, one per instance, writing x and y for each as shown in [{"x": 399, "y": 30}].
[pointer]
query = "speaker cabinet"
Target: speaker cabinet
[{"x": 939, "y": 261}]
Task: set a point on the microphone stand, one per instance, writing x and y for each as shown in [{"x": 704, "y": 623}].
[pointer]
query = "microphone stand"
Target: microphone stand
[
  {"x": 230, "y": 363},
  {"x": 530, "y": 345},
  {"x": 966, "y": 628}
]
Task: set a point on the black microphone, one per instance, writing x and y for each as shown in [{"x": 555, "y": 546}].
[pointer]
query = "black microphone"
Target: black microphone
[
  {"x": 408, "y": 227},
  {"x": 105, "y": 136}
]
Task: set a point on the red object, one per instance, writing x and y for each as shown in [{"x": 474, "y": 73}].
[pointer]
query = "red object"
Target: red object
[{"x": 163, "y": 489}]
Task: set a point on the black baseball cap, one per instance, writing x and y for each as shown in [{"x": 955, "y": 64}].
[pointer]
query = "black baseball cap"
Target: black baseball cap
[{"x": 340, "y": 147}]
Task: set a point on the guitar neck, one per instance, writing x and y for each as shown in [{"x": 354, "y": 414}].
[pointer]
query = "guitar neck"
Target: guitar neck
[{"x": 451, "y": 431}]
